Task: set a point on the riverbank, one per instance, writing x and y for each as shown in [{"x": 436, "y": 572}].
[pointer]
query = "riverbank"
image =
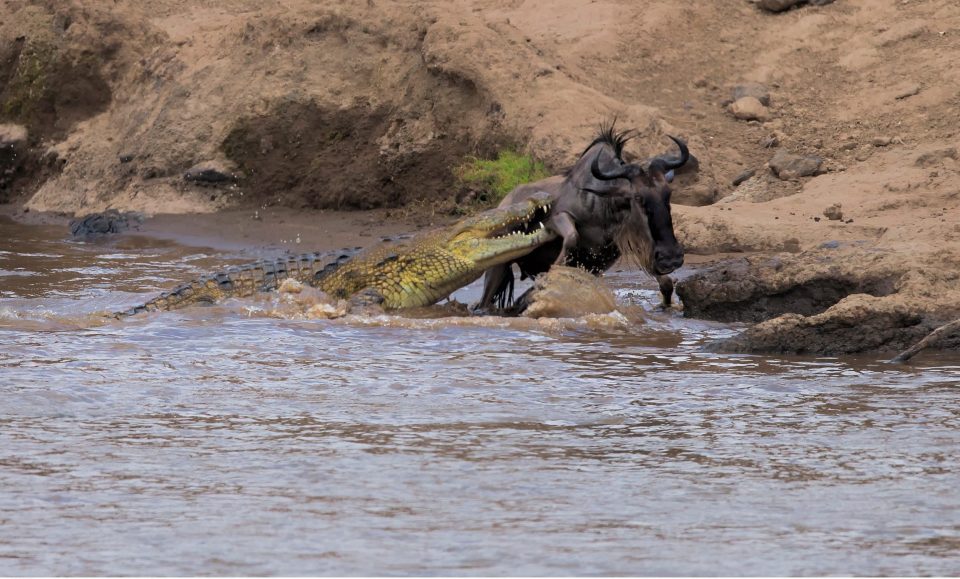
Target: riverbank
[{"x": 824, "y": 133}]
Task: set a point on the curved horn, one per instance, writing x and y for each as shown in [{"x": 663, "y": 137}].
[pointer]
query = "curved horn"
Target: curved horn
[
  {"x": 665, "y": 163},
  {"x": 626, "y": 172},
  {"x": 599, "y": 174}
]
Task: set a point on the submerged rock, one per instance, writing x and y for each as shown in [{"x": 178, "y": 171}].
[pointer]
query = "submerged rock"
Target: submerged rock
[{"x": 105, "y": 223}]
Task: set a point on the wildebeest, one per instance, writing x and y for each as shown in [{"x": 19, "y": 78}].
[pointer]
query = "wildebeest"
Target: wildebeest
[{"x": 604, "y": 207}]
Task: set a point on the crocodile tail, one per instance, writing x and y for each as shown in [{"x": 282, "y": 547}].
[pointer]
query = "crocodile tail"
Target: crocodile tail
[
  {"x": 243, "y": 281},
  {"x": 331, "y": 267}
]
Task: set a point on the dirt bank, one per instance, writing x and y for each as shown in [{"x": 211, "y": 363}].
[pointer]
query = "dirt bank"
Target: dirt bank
[{"x": 832, "y": 123}]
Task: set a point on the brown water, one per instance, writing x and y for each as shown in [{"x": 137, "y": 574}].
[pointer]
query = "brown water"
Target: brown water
[{"x": 223, "y": 441}]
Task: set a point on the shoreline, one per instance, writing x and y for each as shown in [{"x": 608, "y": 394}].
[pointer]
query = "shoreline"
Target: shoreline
[{"x": 241, "y": 228}]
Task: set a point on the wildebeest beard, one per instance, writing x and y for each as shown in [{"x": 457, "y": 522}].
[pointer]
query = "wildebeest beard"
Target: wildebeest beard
[{"x": 632, "y": 237}]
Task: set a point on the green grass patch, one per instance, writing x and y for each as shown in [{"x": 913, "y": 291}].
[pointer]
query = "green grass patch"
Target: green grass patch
[{"x": 494, "y": 178}]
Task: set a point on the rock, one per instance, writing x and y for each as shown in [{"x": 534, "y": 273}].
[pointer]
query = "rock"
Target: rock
[
  {"x": 777, "y": 5},
  {"x": 752, "y": 290},
  {"x": 781, "y": 5},
  {"x": 881, "y": 141},
  {"x": 933, "y": 157},
  {"x": 848, "y": 146},
  {"x": 833, "y": 213},
  {"x": 105, "y": 223},
  {"x": 743, "y": 176},
  {"x": 837, "y": 299},
  {"x": 697, "y": 195},
  {"x": 789, "y": 166},
  {"x": 210, "y": 173},
  {"x": 752, "y": 89},
  {"x": 126, "y": 157},
  {"x": 907, "y": 91},
  {"x": 12, "y": 136},
  {"x": 568, "y": 292},
  {"x": 857, "y": 325},
  {"x": 749, "y": 108}
]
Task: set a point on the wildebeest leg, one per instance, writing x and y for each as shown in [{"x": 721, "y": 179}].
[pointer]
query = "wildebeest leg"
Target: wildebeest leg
[
  {"x": 666, "y": 289},
  {"x": 521, "y": 304},
  {"x": 564, "y": 226},
  {"x": 497, "y": 287}
]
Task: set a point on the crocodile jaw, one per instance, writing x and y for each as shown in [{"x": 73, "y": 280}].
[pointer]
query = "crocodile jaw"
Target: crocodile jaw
[{"x": 487, "y": 252}]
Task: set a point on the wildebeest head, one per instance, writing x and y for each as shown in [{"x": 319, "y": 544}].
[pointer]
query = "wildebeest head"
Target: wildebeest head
[{"x": 637, "y": 197}]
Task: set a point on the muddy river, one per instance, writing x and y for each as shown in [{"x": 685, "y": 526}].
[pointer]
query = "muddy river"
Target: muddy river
[{"x": 229, "y": 440}]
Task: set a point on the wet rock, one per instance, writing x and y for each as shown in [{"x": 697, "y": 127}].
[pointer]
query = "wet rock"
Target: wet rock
[
  {"x": 933, "y": 157},
  {"x": 834, "y": 212},
  {"x": 862, "y": 323},
  {"x": 749, "y": 108},
  {"x": 568, "y": 292},
  {"x": 104, "y": 223},
  {"x": 838, "y": 299},
  {"x": 788, "y": 166},
  {"x": 210, "y": 173},
  {"x": 752, "y": 89},
  {"x": 757, "y": 289}
]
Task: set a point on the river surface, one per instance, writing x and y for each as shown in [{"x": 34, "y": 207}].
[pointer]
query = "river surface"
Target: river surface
[{"x": 220, "y": 440}]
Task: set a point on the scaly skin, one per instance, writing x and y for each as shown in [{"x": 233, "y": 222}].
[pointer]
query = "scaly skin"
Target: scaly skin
[{"x": 412, "y": 273}]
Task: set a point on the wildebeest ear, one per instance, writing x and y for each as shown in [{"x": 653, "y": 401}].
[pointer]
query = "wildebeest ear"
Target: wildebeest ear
[{"x": 669, "y": 176}]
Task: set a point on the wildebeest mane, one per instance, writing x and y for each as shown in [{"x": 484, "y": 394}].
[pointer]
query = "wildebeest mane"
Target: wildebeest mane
[{"x": 608, "y": 136}]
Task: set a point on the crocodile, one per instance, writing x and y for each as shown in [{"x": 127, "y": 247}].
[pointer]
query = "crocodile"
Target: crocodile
[{"x": 415, "y": 272}]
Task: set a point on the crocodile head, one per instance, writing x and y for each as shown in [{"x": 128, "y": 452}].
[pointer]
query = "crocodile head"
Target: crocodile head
[{"x": 502, "y": 234}]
